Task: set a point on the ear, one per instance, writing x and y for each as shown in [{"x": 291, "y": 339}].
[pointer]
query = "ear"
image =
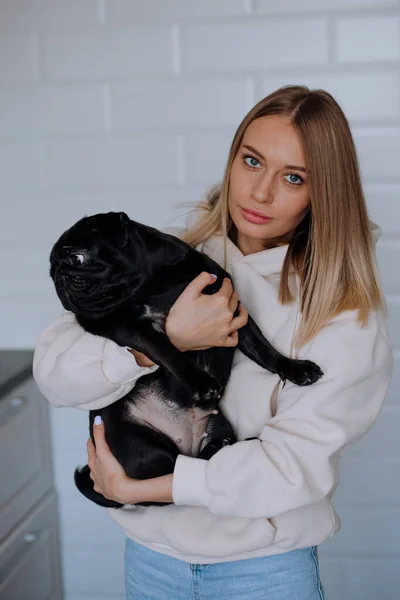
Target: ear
[
  {"x": 123, "y": 217},
  {"x": 167, "y": 250},
  {"x": 124, "y": 227}
]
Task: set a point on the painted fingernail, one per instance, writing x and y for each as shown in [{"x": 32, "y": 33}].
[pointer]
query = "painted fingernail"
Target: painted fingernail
[
  {"x": 97, "y": 420},
  {"x": 215, "y": 276}
]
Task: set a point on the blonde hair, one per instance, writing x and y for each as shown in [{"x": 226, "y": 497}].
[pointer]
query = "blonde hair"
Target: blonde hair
[{"x": 332, "y": 249}]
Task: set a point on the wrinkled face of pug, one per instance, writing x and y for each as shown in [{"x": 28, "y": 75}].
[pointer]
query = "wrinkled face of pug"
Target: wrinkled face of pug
[{"x": 97, "y": 263}]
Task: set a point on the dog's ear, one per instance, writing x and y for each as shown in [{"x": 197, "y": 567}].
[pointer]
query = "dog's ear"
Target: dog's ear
[
  {"x": 166, "y": 250},
  {"x": 123, "y": 217},
  {"x": 124, "y": 226},
  {"x": 156, "y": 248}
]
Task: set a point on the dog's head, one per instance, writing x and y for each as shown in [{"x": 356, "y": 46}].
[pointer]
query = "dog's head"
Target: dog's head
[{"x": 98, "y": 263}]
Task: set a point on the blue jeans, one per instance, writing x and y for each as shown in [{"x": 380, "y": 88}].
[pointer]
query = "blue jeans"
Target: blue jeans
[{"x": 150, "y": 575}]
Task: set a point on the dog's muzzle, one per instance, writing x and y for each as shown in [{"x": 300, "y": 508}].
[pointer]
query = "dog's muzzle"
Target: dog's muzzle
[{"x": 72, "y": 289}]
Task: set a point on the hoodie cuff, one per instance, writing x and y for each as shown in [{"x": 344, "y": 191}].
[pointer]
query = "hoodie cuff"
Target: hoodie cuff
[
  {"x": 120, "y": 366},
  {"x": 189, "y": 486}
]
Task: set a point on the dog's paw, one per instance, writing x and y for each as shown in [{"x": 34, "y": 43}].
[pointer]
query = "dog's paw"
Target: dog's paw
[
  {"x": 300, "y": 372},
  {"x": 206, "y": 391},
  {"x": 214, "y": 446}
]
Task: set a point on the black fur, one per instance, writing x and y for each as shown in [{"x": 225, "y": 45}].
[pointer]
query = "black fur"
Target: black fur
[{"x": 120, "y": 278}]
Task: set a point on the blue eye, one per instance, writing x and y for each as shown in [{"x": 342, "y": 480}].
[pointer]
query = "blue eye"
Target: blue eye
[
  {"x": 294, "y": 179},
  {"x": 251, "y": 161}
]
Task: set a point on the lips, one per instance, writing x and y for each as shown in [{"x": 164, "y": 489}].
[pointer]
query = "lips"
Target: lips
[{"x": 253, "y": 216}]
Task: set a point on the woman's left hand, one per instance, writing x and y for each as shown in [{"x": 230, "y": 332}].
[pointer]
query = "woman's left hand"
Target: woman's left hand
[
  {"x": 110, "y": 479},
  {"x": 108, "y": 476}
]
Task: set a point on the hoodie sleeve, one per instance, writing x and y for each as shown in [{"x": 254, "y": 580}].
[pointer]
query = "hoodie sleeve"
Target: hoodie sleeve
[
  {"x": 295, "y": 460},
  {"x": 74, "y": 368}
]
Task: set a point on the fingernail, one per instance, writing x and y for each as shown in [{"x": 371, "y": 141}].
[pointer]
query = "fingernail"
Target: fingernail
[
  {"x": 215, "y": 276},
  {"x": 97, "y": 420}
]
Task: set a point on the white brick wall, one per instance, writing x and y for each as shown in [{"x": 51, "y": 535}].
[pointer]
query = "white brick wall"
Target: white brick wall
[
  {"x": 21, "y": 68},
  {"x": 381, "y": 91},
  {"x": 178, "y": 105},
  {"x": 46, "y": 110},
  {"x": 372, "y": 38},
  {"x": 115, "y": 161},
  {"x": 120, "y": 52},
  {"x": 255, "y": 44},
  {"x": 128, "y": 104}
]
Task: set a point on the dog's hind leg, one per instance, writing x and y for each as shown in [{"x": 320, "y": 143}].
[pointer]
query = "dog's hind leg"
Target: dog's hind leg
[
  {"x": 85, "y": 486},
  {"x": 142, "y": 452},
  {"x": 219, "y": 433}
]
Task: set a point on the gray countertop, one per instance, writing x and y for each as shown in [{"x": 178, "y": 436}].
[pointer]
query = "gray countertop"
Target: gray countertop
[{"x": 15, "y": 367}]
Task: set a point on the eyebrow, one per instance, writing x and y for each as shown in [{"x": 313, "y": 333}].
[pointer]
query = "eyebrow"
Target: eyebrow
[{"x": 295, "y": 167}]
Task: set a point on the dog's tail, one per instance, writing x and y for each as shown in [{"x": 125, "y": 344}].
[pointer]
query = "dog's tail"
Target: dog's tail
[{"x": 85, "y": 486}]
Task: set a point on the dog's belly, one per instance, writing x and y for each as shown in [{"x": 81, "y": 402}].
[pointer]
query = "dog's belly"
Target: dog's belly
[{"x": 186, "y": 427}]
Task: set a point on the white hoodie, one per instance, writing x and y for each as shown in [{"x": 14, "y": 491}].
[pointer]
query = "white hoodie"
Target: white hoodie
[{"x": 258, "y": 497}]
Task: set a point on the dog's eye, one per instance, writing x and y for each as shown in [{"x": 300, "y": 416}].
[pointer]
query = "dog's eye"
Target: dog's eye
[{"x": 77, "y": 259}]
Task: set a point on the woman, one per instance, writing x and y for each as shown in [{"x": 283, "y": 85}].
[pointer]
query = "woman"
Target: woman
[{"x": 290, "y": 223}]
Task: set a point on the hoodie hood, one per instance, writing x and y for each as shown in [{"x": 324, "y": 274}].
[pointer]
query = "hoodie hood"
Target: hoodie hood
[{"x": 375, "y": 231}]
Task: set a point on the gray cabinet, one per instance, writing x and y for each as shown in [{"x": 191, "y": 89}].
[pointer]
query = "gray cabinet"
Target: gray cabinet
[
  {"x": 29, "y": 552},
  {"x": 29, "y": 568}
]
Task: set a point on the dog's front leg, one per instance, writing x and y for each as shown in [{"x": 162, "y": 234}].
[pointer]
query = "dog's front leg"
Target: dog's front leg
[
  {"x": 203, "y": 389},
  {"x": 254, "y": 345}
]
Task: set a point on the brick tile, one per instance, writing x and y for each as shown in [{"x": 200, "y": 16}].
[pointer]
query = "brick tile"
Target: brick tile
[{"x": 254, "y": 46}]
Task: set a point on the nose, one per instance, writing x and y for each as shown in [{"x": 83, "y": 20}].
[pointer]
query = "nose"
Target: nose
[{"x": 263, "y": 189}]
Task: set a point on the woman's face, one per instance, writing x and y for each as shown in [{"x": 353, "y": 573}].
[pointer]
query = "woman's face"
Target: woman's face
[{"x": 269, "y": 183}]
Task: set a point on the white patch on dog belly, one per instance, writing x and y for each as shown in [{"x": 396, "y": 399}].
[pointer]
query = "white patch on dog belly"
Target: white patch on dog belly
[{"x": 186, "y": 427}]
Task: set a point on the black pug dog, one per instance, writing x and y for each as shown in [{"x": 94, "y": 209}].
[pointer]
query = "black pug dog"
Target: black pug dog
[{"x": 120, "y": 278}]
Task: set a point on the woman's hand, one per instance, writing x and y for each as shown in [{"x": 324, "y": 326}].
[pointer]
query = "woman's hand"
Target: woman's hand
[
  {"x": 141, "y": 359},
  {"x": 108, "y": 476},
  {"x": 110, "y": 479},
  {"x": 198, "y": 321}
]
